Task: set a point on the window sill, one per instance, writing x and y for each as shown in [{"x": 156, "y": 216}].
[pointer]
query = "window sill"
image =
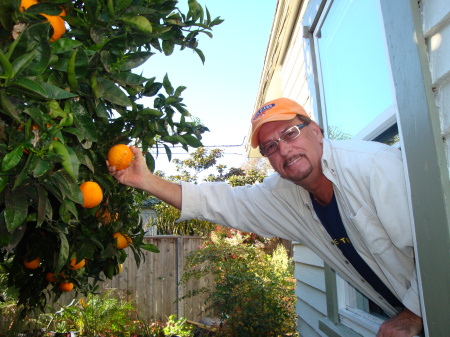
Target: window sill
[{"x": 336, "y": 330}]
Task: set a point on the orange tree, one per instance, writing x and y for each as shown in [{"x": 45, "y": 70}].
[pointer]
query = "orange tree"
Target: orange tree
[{"x": 67, "y": 94}]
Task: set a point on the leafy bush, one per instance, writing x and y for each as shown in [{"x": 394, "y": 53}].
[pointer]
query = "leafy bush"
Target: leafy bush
[
  {"x": 63, "y": 104},
  {"x": 106, "y": 314},
  {"x": 252, "y": 293}
]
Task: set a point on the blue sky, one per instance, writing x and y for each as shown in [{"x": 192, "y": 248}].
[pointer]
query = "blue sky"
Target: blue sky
[{"x": 221, "y": 92}]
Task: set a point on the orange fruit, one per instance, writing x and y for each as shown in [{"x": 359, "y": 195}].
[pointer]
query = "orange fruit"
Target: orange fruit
[
  {"x": 122, "y": 240},
  {"x": 32, "y": 264},
  {"x": 92, "y": 194},
  {"x": 65, "y": 286},
  {"x": 58, "y": 25},
  {"x": 105, "y": 217},
  {"x": 120, "y": 156},
  {"x": 50, "y": 277},
  {"x": 74, "y": 265},
  {"x": 25, "y": 4}
]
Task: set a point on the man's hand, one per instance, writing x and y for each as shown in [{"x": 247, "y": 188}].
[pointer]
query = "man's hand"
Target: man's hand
[
  {"x": 138, "y": 175},
  {"x": 405, "y": 324}
]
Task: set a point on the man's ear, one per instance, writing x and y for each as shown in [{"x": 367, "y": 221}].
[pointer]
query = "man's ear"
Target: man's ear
[{"x": 317, "y": 131}]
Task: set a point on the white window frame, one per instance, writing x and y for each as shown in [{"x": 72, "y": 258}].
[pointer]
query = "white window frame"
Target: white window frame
[{"x": 348, "y": 298}]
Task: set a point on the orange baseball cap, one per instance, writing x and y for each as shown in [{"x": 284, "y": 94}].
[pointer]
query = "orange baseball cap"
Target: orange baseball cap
[{"x": 280, "y": 109}]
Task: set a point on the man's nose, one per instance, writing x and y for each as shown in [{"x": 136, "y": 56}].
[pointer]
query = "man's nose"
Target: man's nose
[{"x": 284, "y": 148}]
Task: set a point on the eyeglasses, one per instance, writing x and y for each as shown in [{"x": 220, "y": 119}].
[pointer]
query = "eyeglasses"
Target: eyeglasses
[{"x": 288, "y": 136}]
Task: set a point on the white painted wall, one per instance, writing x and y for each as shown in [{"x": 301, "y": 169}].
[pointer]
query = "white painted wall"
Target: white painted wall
[{"x": 436, "y": 28}]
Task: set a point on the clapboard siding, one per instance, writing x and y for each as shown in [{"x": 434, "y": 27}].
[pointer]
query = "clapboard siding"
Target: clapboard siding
[{"x": 436, "y": 27}]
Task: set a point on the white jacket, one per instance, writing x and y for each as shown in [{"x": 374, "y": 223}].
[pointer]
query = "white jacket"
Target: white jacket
[{"x": 370, "y": 189}]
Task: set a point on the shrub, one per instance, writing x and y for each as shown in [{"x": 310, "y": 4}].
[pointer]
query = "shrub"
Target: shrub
[{"x": 253, "y": 292}]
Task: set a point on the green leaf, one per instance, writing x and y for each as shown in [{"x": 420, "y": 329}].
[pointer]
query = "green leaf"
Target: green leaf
[
  {"x": 20, "y": 63},
  {"x": 63, "y": 255},
  {"x": 12, "y": 158},
  {"x": 151, "y": 112},
  {"x": 168, "y": 152},
  {"x": 138, "y": 22},
  {"x": 54, "y": 92},
  {"x": 39, "y": 167},
  {"x": 134, "y": 60},
  {"x": 6, "y": 66},
  {"x": 167, "y": 85},
  {"x": 150, "y": 162},
  {"x": 71, "y": 74},
  {"x": 110, "y": 92},
  {"x": 16, "y": 209},
  {"x": 29, "y": 85},
  {"x": 65, "y": 44},
  {"x": 83, "y": 122},
  {"x": 8, "y": 107},
  {"x": 3, "y": 182},
  {"x": 200, "y": 54},
  {"x": 152, "y": 89},
  {"x": 168, "y": 46},
  {"x": 128, "y": 78},
  {"x": 151, "y": 248},
  {"x": 67, "y": 186},
  {"x": 192, "y": 141},
  {"x": 69, "y": 160},
  {"x": 86, "y": 250},
  {"x": 44, "y": 206}
]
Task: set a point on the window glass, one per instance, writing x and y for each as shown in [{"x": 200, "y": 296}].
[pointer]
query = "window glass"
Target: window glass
[{"x": 356, "y": 79}]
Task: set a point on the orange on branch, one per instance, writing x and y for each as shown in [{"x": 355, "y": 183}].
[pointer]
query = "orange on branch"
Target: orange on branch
[
  {"x": 105, "y": 216},
  {"x": 58, "y": 25},
  {"x": 65, "y": 286},
  {"x": 122, "y": 240},
  {"x": 50, "y": 277},
  {"x": 32, "y": 264},
  {"x": 92, "y": 194},
  {"x": 74, "y": 265},
  {"x": 120, "y": 156},
  {"x": 25, "y": 4}
]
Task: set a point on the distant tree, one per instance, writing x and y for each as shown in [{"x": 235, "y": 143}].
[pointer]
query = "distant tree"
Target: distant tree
[{"x": 189, "y": 170}]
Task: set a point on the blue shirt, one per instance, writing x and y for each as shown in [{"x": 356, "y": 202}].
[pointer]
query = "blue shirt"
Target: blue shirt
[{"x": 331, "y": 220}]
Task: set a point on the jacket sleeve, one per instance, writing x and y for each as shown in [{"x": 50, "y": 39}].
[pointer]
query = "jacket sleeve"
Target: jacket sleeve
[
  {"x": 239, "y": 207},
  {"x": 389, "y": 192}
]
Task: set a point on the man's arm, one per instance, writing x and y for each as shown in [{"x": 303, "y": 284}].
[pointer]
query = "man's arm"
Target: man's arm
[
  {"x": 405, "y": 324},
  {"x": 138, "y": 175}
]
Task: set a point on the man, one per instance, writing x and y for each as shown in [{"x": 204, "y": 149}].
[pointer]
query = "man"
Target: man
[{"x": 346, "y": 200}]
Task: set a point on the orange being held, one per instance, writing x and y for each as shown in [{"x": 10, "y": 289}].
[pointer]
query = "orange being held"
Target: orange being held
[
  {"x": 92, "y": 194},
  {"x": 120, "y": 156}
]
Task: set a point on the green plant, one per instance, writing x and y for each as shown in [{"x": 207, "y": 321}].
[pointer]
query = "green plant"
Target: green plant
[
  {"x": 97, "y": 314},
  {"x": 142, "y": 328},
  {"x": 252, "y": 293},
  {"x": 63, "y": 104},
  {"x": 178, "y": 327}
]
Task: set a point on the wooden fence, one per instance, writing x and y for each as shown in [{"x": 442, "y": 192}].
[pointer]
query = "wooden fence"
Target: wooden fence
[{"x": 154, "y": 286}]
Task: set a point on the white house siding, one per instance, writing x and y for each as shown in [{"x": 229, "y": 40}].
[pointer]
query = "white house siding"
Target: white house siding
[
  {"x": 311, "y": 303},
  {"x": 436, "y": 28}
]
